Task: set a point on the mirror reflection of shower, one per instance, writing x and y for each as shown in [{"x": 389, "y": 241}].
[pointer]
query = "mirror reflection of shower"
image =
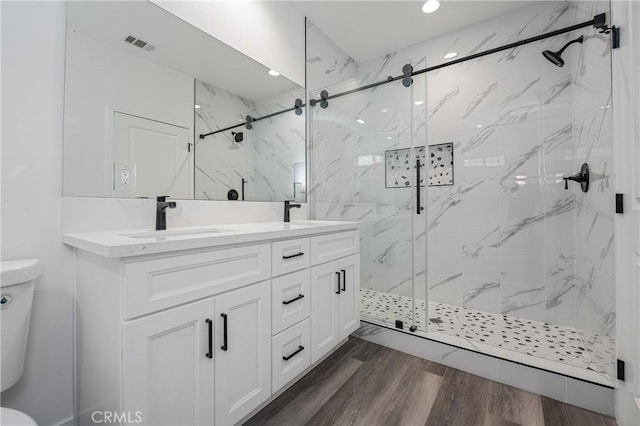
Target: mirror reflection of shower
[{"x": 556, "y": 57}]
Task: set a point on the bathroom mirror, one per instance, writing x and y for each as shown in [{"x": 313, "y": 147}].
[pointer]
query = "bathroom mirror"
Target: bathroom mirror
[{"x": 155, "y": 106}]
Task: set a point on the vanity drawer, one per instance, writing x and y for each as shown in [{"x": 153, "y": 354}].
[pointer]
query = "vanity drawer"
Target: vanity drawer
[
  {"x": 290, "y": 355},
  {"x": 163, "y": 282},
  {"x": 325, "y": 248},
  {"x": 287, "y": 307},
  {"x": 289, "y": 256}
]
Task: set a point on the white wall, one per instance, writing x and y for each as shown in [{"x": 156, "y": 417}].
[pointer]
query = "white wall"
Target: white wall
[
  {"x": 101, "y": 80},
  {"x": 272, "y": 33},
  {"x": 32, "y": 107}
]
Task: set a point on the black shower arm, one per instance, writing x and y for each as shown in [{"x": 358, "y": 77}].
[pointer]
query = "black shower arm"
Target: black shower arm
[{"x": 578, "y": 40}]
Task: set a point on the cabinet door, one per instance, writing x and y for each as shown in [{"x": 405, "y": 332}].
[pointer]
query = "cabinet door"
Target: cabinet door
[
  {"x": 325, "y": 330},
  {"x": 242, "y": 352},
  {"x": 349, "y": 298},
  {"x": 166, "y": 374}
]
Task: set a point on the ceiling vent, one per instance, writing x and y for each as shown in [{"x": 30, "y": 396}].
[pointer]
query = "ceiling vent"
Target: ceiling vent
[{"x": 135, "y": 41}]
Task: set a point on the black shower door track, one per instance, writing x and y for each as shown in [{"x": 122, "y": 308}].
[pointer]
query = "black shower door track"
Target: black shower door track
[{"x": 598, "y": 21}]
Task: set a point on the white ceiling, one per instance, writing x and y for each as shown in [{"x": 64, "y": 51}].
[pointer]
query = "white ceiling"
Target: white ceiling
[
  {"x": 179, "y": 45},
  {"x": 370, "y": 29}
]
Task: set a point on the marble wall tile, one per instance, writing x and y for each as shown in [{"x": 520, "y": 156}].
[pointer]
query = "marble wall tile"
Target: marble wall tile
[
  {"x": 595, "y": 300},
  {"x": 327, "y": 63},
  {"x": 561, "y": 289},
  {"x": 524, "y": 302}
]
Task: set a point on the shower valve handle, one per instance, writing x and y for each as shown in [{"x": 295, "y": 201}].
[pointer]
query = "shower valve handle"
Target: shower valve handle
[{"x": 582, "y": 177}]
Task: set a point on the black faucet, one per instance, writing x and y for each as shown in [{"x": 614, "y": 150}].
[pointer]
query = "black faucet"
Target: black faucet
[
  {"x": 161, "y": 214},
  {"x": 288, "y": 206}
]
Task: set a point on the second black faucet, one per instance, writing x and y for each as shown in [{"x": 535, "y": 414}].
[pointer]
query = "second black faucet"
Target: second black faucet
[{"x": 287, "y": 207}]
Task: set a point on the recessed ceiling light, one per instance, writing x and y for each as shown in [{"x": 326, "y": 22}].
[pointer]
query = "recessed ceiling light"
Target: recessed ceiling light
[
  {"x": 274, "y": 73},
  {"x": 430, "y": 6},
  {"x": 451, "y": 55},
  {"x": 418, "y": 102},
  {"x": 479, "y": 126},
  {"x": 360, "y": 121},
  {"x": 389, "y": 137},
  {"x": 385, "y": 109},
  {"x": 197, "y": 106}
]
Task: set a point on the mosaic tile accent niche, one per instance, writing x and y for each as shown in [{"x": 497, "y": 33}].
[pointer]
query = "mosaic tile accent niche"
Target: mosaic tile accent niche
[
  {"x": 441, "y": 164},
  {"x": 399, "y": 167}
]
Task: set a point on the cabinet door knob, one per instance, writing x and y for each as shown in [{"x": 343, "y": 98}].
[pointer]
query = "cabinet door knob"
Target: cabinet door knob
[{"x": 224, "y": 346}]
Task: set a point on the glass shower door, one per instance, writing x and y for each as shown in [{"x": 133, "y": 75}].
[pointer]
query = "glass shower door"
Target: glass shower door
[{"x": 364, "y": 169}]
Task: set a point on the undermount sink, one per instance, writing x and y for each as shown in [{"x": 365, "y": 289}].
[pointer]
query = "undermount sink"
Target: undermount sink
[{"x": 176, "y": 233}]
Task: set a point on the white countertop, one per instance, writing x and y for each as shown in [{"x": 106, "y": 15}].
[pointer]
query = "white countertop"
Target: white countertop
[{"x": 137, "y": 242}]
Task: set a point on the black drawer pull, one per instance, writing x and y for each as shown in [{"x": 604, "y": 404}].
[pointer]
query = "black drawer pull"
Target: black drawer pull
[
  {"x": 300, "y": 349},
  {"x": 224, "y": 334},
  {"x": 293, "y": 255},
  {"x": 338, "y": 274},
  {"x": 210, "y": 353},
  {"x": 344, "y": 279},
  {"x": 286, "y": 302}
]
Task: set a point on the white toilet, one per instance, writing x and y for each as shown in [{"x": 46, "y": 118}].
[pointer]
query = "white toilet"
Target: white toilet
[{"x": 16, "y": 286}]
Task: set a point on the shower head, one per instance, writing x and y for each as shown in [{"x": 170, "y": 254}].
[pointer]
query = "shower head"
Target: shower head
[
  {"x": 238, "y": 136},
  {"x": 556, "y": 57}
]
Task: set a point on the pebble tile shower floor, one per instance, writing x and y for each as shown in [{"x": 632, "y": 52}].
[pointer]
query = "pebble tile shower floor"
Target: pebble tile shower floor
[{"x": 556, "y": 343}]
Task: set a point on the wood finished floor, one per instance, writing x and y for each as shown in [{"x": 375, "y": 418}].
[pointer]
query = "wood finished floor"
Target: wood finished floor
[{"x": 366, "y": 384}]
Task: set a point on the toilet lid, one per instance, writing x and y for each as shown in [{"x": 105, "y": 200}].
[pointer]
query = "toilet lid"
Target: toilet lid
[{"x": 15, "y": 418}]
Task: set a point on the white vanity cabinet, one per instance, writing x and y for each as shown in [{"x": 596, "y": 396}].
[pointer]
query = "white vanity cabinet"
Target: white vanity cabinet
[
  {"x": 169, "y": 359},
  {"x": 335, "y": 312},
  {"x": 166, "y": 375},
  {"x": 242, "y": 352},
  {"x": 207, "y": 336}
]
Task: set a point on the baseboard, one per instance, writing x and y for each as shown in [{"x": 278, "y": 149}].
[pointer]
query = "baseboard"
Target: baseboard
[{"x": 578, "y": 392}]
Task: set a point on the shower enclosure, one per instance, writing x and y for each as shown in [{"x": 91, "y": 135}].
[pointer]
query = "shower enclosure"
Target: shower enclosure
[{"x": 470, "y": 233}]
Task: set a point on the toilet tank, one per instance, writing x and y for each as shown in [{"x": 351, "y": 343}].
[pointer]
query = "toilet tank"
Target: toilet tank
[{"x": 16, "y": 294}]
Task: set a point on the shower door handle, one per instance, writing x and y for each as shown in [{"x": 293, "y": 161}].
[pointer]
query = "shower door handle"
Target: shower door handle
[{"x": 419, "y": 207}]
